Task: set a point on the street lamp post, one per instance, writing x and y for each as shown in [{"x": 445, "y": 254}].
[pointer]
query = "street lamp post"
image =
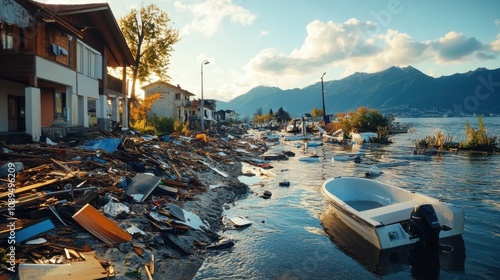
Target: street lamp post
[
  {"x": 202, "y": 109},
  {"x": 323, "y": 98}
]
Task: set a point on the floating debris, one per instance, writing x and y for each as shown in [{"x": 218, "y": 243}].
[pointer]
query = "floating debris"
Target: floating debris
[
  {"x": 240, "y": 222},
  {"x": 267, "y": 194},
  {"x": 284, "y": 184}
]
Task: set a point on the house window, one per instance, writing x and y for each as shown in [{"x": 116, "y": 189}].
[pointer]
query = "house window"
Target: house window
[
  {"x": 59, "y": 105},
  {"x": 6, "y": 36},
  {"x": 177, "y": 96},
  {"x": 89, "y": 61}
]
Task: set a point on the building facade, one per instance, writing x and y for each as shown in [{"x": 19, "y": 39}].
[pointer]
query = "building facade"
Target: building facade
[
  {"x": 174, "y": 102},
  {"x": 226, "y": 116},
  {"x": 54, "y": 70}
]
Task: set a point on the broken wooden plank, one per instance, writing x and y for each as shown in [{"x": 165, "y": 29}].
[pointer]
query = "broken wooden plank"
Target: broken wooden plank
[
  {"x": 37, "y": 185},
  {"x": 91, "y": 268},
  {"x": 66, "y": 168}
]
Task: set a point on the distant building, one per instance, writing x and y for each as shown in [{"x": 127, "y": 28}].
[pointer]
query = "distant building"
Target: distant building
[
  {"x": 209, "y": 108},
  {"x": 226, "y": 115},
  {"x": 174, "y": 102}
]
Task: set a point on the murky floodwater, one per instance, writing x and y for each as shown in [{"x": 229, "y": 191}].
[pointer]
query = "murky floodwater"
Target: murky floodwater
[{"x": 295, "y": 234}]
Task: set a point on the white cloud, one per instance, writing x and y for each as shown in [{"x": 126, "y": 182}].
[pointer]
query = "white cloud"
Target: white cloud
[
  {"x": 208, "y": 16},
  {"x": 495, "y": 45},
  {"x": 455, "y": 46},
  {"x": 332, "y": 41},
  {"x": 352, "y": 46},
  {"x": 397, "y": 49}
]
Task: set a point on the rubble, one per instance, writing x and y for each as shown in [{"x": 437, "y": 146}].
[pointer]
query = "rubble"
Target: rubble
[{"x": 118, "y": 204}]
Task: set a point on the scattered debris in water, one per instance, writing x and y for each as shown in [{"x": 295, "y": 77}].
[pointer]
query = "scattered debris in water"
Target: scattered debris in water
[{"x": 267, "y": 194}]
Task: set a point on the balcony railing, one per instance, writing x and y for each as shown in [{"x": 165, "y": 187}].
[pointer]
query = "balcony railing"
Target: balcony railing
[
  {"x": 114, "y": 83},
  {"x": 184, "y": 103}
]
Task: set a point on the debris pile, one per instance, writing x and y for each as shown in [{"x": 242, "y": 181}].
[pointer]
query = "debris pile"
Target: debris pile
[{"x": 117, "y": 204}]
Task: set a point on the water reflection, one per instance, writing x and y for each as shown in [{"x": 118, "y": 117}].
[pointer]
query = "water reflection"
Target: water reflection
[{"x": 423, "y": 262}]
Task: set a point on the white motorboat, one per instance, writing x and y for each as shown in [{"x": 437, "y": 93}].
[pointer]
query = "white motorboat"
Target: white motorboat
[{"x": 389, "y": 216}]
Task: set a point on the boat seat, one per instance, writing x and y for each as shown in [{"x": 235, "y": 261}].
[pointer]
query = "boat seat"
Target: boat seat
[{"x": 390, "y": 214}]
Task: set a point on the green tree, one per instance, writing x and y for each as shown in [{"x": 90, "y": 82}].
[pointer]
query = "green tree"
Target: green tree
[
  {"x": 258, "y": 112},
  {"x": 150, "y": 39},
  {"x": 282, "y": 115}
]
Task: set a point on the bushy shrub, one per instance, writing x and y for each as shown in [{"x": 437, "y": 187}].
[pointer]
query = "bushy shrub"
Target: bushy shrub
[
  {"x": 162, "y": 125},
  {"x": 180, "y": 127},
  {"x": 142, "y": 126},
  {"x": 439, "y": 140},
  {"x": 362, "y": 120},
  {"x": 478, "y": 139}
]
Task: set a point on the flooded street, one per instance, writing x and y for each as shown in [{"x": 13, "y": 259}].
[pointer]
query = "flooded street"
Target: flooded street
[{"x": 295, "y": 234}]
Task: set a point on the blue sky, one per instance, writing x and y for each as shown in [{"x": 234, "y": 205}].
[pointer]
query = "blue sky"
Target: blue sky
[{"x": 291, "y": 43}]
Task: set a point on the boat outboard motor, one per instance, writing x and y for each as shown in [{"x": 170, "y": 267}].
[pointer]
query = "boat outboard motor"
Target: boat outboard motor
[{"x": 425, "y": 225}]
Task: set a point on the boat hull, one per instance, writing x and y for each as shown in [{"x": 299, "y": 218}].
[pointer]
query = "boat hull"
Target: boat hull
[{"x": 384, "y": 226}]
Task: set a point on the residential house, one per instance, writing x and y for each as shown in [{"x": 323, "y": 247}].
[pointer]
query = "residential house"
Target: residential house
[
  {"x": 226, "y": 115},
  {"x": 209, "y": 109},
  {"x": 174, "y": 102},
  {"x": 54, "y": 69}
]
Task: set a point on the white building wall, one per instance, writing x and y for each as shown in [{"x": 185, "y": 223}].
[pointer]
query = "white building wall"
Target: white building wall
[
  {"x": 72, "y": 107},
  {"x": 164, "y": 106},
  {"x": 83, "y": 118},
  {"x": 33, "y": 113},
  {"x": 48, "y": 70},
  {"x": 87, "y": 86},
  {"x": 74, "y": 81}
]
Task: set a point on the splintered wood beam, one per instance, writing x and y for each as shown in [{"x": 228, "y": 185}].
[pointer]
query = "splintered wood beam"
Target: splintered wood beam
[
  {"x": 36, "y": 186},
  {"x": 65, "y": 167}
]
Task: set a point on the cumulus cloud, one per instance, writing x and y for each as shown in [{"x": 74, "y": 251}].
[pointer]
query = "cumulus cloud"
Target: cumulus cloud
[
  {"x": 326, "y": 42},
  {"x": 334, "y": 41},
  {"x": 455, "y": 46},
  {"x": 352, "y": 44},
  {"x": 394, "y": 49},
  {"x": 400, "y": 48},
  {"x": 495, "y": 45},
  {"x": 208, "y": 16},
  {"x": 357, "y": 46}
]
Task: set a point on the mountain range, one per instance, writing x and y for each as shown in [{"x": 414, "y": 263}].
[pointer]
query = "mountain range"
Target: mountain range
[{"x": 402, "y": 91}]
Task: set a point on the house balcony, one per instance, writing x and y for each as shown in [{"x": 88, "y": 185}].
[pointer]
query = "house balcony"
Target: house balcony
[
  {"x": 183, "y": 103},
  {"x": 115, "y": 83},
  {"x": 114, "y": 86},
  {"x": 17, "y": 66}
]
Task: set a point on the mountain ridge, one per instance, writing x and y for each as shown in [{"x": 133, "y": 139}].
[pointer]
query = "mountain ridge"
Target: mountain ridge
[{"x": 403, "y": 91}]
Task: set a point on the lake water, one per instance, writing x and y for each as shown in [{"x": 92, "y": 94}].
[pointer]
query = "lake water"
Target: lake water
[{"x": 296, "y": 235}]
